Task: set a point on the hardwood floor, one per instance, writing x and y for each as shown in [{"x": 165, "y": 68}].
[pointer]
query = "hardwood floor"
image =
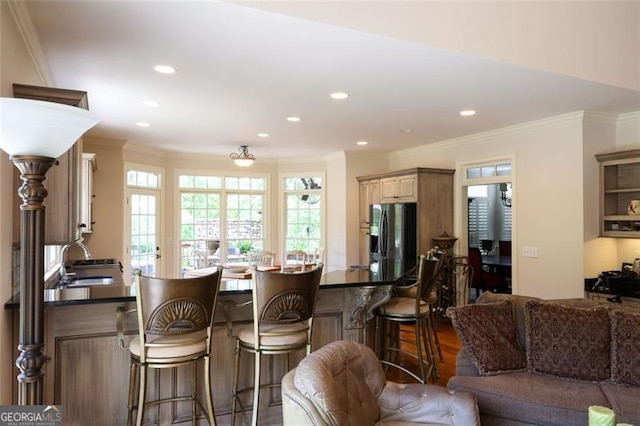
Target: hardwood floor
[{"x": 449, "y": 343}]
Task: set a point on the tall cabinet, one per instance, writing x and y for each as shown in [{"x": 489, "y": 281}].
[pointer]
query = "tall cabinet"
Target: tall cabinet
[
  {"x": 431, "y": 189},
  {"x": 62, "y": 214}
]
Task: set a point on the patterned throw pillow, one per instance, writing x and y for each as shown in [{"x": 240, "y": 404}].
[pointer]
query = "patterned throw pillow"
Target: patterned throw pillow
[
  {"x": 488, "y": 331},
  {"x": 625, "y": 347},
  {"x": 567, "y": 341}
]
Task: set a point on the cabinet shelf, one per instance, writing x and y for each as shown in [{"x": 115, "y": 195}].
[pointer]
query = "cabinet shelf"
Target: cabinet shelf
[{"x": 619, "y": 179}]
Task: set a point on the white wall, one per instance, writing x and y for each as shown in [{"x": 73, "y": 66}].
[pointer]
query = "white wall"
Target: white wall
[{"x": 548, "y": 200}]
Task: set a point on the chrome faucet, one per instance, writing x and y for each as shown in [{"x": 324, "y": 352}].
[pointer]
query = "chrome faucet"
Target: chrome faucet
[{"x": 63, "y": 256}]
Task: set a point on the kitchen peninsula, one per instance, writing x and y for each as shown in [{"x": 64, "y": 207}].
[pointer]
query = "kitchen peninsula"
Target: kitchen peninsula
[{"x": 88, "y": 373}]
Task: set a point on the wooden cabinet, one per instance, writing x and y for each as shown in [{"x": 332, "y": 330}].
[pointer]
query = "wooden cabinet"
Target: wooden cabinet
[
  {"x": 62, "y": 215},
  {"x": 619, "y": 185},
  {"x": 399, "y": 189},
  {"x": 431, "y": 189},
  {"x": 89, "y": 165}
]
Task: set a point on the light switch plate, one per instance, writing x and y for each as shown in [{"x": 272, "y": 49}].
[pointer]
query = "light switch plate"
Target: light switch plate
[{"x": 530, "y": 252}]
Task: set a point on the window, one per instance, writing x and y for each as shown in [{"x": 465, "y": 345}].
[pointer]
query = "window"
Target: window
[
  {"x": 303, "y": 213},
  {"x": 488, "y": 218},
  {"x": 221, "y": 219}
]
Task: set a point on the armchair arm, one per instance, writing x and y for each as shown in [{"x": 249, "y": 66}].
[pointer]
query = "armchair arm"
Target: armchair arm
[
  {"x": 226, "y": 310},
  {"x": 430, "y": 404},
  {"x": 121, "y": 313}
]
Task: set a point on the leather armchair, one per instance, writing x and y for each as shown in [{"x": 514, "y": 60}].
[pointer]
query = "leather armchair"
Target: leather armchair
[{"x": 343, "y": 383}]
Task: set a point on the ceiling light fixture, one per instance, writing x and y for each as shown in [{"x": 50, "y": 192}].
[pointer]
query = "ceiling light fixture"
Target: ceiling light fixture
[
  {"x": 406, "y": 130},
  {"x": 362, "y": 143},
  {"x": 242, "y": 158},
  {"x": 165, "y": 69},
  {"x": 142, "y": 124},
  {"x": 151, "y": 103},
  {"x": 467, "y": 113},
  {"x": 293, "y": 119},
  {"x": 504, "y": 194},
  {"x": 263, "y": 135},
  {"x": 339, "y": 95}
]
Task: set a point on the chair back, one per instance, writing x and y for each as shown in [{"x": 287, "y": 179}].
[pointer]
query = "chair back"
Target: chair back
[
  {"x": 175, "y": 307},
  {"x": 475, "y": 262},
  {"x": 316, "y": 256},
  {"x": 428, "y": 275},
  {"x": 284, "y": 298},
  {"x": 294, "y": 260},
  {"x": 504, "y": 248},
  {"x": 262, "y": 258}
]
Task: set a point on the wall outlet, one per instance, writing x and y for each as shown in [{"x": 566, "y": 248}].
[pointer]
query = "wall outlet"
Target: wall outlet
[{"x": 530, "y": 252}]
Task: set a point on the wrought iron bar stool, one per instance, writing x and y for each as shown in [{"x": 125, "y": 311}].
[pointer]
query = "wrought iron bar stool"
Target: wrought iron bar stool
[{"x": 414, "y": 307}]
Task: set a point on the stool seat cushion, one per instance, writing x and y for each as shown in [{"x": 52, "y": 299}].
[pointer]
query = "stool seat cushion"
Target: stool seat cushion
[
  {"x": 275, "y": 335},
  {"x": 172, "y": 347},
  {"x": 403, "y": 306}
]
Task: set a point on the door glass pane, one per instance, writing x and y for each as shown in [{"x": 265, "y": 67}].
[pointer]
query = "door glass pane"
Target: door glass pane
[{"x": 143, "y": 243}]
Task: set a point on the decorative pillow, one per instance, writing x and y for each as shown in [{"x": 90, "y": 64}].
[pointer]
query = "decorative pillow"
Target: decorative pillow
[
  {"x": 625, "y": 347},
  {"x": 567, "y": 341},
  {"x": 488, "y": 331}
]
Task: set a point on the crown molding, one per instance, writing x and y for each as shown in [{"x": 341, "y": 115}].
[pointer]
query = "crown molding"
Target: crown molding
[
  {"x": 629, "y": 117},
  {"x": 600, "y": 117},
  {"x": 29, "y": 35},
  {"x": 493, "y": 134}
]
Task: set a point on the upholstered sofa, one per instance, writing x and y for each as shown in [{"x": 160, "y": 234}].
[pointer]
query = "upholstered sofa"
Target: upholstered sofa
[
  {"x": 343, "y": 384},
  {"x": 537, "y": 362}
]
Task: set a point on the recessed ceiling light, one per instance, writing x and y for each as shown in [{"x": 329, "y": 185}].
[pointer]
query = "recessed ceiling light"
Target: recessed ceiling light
[
  {"x": 164, "y": 69},
  {"x": 263, "y": 135},
  {"x": 151, "y": 103},
  {"x": 406, "y": 130},
  {"x": 467, "y": 113},
  {"x": 293, "y": 119},
  {"x": 142, "y": 124},
  {"x": 362, "y": 143},
  {"x": 339, "y": 95}
]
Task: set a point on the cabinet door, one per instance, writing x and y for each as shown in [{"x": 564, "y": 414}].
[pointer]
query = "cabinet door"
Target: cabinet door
[
  {"x": 408, "y": 189},
  {"x": 365, "y": 200},
  {"x": 389, "y": 190},
  {"x": 364, "y": 246},
  {"x": 86, "y": 192},
  {"x": 374, "y": 192}
]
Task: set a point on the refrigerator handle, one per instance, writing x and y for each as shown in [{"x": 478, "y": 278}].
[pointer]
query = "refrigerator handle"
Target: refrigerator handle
[{"x": 382, "y": 239}]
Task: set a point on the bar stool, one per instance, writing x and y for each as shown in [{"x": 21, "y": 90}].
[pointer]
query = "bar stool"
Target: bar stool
[
  {"x": 175, "y": 321},
  {"x": 283, "y": 307},
  {"x": 416, "y": 308}
]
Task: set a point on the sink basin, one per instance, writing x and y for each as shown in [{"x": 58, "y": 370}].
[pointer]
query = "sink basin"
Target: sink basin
[{"x": 88, "y": 281}]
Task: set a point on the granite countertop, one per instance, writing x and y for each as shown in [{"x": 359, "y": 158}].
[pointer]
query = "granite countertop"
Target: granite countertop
[{"x": 378, "y": 274}]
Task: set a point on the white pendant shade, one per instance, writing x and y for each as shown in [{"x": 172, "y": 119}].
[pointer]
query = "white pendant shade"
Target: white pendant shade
[{"x": 47, "y": 129}]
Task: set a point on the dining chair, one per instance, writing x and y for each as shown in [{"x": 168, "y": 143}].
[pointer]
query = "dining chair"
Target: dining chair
[
  {"x": 415, "y": 308},
  {"x": 483, "y": 279},
  {"x": 283, "y": 307},
  {"x": 175, "y": 321},
  {"x": 293, "y": 260},
  {"x": 504, "y": 248},
  {"x": 262, "y": 258}
]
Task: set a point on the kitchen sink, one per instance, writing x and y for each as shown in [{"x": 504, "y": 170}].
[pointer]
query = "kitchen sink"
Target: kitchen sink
[{"x": 88, "y": 281}]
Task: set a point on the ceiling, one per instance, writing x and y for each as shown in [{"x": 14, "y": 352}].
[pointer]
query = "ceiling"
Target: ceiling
[{"x": 241, "y": 71}]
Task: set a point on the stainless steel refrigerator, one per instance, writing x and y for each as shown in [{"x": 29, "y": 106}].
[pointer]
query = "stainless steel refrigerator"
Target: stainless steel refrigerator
[{"x": 393, "y": 233}]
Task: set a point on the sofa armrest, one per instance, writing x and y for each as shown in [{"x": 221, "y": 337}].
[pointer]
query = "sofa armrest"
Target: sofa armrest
[
  {"x": 465, "y": 365},
  {"x": 431, "y": 404},
  {"x": 296, "y": 408}
]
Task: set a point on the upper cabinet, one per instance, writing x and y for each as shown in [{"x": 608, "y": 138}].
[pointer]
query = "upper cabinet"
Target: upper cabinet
[
  {"x": 620, "y": 194},
  {"x": 89, "y": 165},
  {"x": 399, "y": 189},
  {"x": 63, "y": 180}
]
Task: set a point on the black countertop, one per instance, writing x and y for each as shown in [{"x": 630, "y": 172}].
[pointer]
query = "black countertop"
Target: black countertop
[{"x": 377, "y": 274}]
